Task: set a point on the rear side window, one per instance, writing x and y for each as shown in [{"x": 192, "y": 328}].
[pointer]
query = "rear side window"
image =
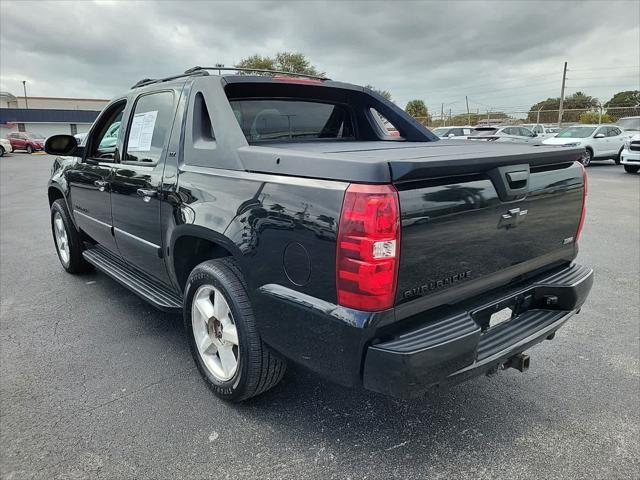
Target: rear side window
[
  {"x": 149, "y": 128},
  {"x": 275, "y": 119}
]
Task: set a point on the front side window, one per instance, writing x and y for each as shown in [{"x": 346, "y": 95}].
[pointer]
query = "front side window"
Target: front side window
[
  {"x": 103, "y": 142},
  {"x": 274, "y": 119},
  {"x": 149, "y": 128},
  {"x": 613, "y": 132}
]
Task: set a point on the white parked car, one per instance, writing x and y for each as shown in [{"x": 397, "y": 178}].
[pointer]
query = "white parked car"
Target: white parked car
[
  {"x": 507, "y": 133},
  {"x": 630, "y": 156},
  {"x": 541, "y": 130},
  {"x": 602, "y": 142},
  {"x": 5, "y": 147},
  {"x": 453, "y": 131},
  {"x": 629, "y": 125}
]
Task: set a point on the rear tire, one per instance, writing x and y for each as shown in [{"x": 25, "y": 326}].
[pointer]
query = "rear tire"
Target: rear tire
[
  {"x": 67, "y": 239},
  {"x": 222, "y": 333},
  {"x": 29, "y": 149},
  {"x": 631, "y": 168}
]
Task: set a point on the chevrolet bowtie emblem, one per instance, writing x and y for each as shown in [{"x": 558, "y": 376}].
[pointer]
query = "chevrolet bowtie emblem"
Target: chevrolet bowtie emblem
[{"x": 512, "y": 218}]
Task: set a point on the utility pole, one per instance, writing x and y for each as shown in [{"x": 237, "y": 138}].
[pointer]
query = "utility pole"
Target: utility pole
[
  {"x": 599, "y": 113},
  {"x": 442, "y": 115},
  {"x": 564, "y": 78},
  {"x": 24, "y": 85},
  {"x": 468, "y": 114},
  {"x": 449, "y": 116}
]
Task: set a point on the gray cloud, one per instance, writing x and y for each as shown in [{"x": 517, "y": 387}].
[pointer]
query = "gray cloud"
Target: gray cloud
[{"x": 500, "y": 54}]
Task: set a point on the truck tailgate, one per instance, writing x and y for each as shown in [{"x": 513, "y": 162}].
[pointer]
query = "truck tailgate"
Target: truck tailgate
[{"x": 490, "y": 225}]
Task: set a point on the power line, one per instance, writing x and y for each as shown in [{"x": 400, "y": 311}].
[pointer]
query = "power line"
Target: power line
[
  {"x": 601, "y": 86},
  {"x": 602, "y": 68}
]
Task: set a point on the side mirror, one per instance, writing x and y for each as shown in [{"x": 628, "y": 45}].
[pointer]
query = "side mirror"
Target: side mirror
[
  {"x": 600, "y": 135},
  {"x": 64, "y": 145},
  {"x": 451, "y": 135}
]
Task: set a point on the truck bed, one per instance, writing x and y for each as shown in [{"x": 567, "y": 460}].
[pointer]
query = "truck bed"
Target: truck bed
[{"x": 394, "y": 161}]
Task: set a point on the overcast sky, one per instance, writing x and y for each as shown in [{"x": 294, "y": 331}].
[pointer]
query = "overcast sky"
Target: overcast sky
[{"x": 503, "y": 55}]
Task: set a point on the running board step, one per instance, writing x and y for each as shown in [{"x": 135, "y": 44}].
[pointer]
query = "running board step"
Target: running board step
[{"x": 139, "y": 283}]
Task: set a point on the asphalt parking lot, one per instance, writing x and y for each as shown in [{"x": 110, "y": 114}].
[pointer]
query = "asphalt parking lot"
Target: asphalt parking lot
[{"x": 94, "y": 383}]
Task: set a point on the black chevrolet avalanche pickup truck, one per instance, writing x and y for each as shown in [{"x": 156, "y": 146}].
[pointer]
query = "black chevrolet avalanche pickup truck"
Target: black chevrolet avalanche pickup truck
[{"x": 284, "y": 221}]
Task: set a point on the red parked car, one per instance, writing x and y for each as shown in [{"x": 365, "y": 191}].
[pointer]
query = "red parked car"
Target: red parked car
[{"x": 28, "y": 141}]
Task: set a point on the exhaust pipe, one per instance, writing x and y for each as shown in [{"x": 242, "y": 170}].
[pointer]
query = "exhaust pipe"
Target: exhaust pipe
[{"x": 520, "y": 362}]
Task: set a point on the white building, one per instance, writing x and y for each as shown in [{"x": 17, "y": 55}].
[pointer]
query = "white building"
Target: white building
[{"x": 47, "y": 115}]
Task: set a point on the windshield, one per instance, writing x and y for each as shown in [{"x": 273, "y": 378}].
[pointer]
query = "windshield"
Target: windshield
[
  {"x": 272, "y": 119},
  {"x": 441, "y": 132},
  {"x": 576, "y": 132},
  {"x": 632, "y": 123}
]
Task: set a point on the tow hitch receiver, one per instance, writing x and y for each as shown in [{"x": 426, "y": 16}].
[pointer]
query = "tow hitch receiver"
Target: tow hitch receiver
[{"x": 520, "y": 362}]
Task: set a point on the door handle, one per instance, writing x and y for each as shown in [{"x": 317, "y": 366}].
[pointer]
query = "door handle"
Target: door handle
[
  {"x": 146, "y": 194},
  {"x": 101, "y": 184}
]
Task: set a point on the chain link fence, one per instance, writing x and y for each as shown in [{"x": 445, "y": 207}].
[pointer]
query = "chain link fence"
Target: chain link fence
[{"x": 550, "y": 117}]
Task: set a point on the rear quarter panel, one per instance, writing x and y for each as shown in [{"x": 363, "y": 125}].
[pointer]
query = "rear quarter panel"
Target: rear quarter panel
[{"x": 259, "y": 216}]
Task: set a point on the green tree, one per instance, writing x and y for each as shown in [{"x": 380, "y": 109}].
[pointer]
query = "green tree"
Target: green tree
[
  {"x": 417, "y": 109},
  {"x": 385, "y": 93},
  {"x": 628, "y": 98},
  {"x": 594, "y": 117},
  {"x": 293, "y": 62},
  {"x": 578, "y": 100}
]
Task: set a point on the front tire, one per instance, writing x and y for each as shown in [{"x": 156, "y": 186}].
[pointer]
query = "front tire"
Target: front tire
[
  {"x": 2, "y": 152},
  {"x": 631, "y": 168},
  {"x": 222, "y": 333},
  {"x": 588, "y": 156},
  {"x": 618, "y": 157},
  {"x": 29, "y": 149},
  {"x": 67, "y": 239}
]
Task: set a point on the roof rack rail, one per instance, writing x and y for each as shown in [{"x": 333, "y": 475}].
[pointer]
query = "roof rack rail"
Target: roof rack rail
[
  {"x": 149, "y": 81},
  {"x": 144, "y": 81},
  {"x": 255, "y": 70},
  {"x": 203, "y": 71}
]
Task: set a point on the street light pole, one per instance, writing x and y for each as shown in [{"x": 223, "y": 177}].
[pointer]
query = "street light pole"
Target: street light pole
[{"x": 24, "y": 86}]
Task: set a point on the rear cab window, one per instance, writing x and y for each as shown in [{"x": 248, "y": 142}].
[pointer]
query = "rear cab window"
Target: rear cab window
[
  {"x": 264, "y": 120},
  {"x": 307, "y": 110}
]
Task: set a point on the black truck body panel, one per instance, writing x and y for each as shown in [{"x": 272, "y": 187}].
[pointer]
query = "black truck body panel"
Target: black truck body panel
[{"x": 276, "y": 206}]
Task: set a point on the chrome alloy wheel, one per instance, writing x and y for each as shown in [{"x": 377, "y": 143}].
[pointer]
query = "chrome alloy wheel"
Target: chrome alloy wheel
[
  {"x": 215, "y": 333},
  {"x": 62, "y": 241}
]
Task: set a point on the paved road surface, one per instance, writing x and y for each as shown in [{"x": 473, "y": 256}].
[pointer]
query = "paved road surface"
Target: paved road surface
[{"x": 96, "y": 384}]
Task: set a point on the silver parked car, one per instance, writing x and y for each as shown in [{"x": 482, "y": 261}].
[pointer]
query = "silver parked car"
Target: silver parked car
[
  {"x": 505, "y": 133},
  {"x": 453, "y": 131}
]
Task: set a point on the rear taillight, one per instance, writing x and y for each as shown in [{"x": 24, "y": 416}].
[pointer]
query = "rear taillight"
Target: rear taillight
[
  {"x": 584, "y": 203},
  {"x": 368, "y": 247}
]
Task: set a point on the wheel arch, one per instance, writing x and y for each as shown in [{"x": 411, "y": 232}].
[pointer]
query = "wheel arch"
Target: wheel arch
[
  {"x": 55, "y": 193},
  {"x": 191, "y": 245}
]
